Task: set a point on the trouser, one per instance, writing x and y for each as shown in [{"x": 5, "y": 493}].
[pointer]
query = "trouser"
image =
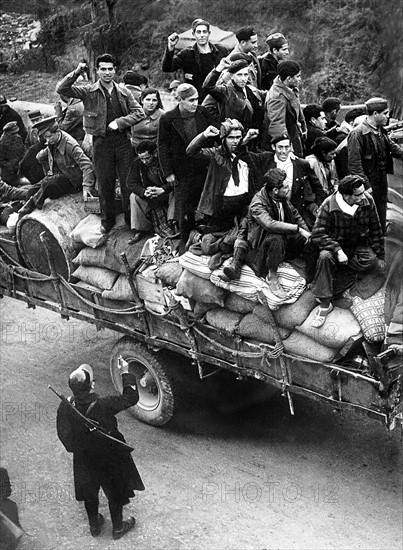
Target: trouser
[
  {"x": 112, "y": 155},
  {"x": 380, "y": 195},
  {"x": 273, "y": 250},
  {"x": 187, "y": 196},
  {"x": 115, "y": 509},
  {"x": 53, "y": 187},
  {"x": 332, "y": 278},
  {"x": 146, "y": 218}
]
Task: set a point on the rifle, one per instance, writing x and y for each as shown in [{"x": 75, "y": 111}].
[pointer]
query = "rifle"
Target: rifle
[{"x": 92, "y": 425}]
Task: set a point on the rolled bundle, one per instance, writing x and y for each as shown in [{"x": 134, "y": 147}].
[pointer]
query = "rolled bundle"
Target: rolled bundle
[{"x": 56, "y": 219}]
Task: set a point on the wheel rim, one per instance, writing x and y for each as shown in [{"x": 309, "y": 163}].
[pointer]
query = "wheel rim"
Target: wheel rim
[{"x": 147, "y": 385}]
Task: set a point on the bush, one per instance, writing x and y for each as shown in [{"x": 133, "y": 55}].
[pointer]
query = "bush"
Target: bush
[{"x": 56, "y": 29}]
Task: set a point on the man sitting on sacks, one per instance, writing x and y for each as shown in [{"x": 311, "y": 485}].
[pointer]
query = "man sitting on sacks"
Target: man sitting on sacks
[
  {"x": 349, "y": 236},
  {"x": 151, "y": 195},
  {"x": 234, "y": 175},
  {"x": 275, "y": 231},
  {"x": 66, "y": 168}
]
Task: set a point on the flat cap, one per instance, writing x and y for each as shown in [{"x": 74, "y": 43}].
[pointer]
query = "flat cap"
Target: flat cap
[{"x": 376, "y": 104}]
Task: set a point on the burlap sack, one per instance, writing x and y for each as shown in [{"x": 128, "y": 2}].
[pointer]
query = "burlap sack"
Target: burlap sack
[
  {"x": 340, "y": 325},
  {"x": 300, "y": 344},
  {"x": 223, "y": 319},
  {"x": 120, "y": 290},
  {"x": 238, "y": 304},
  {"x": 169, "y": 273},
  {"x": 253, "y": 327},
  {"x": 97, "y": 276},
  {"x": 201, "y": 290},
  {"x": 94, "y": 257},
  {"x": 291, "y": 315}
]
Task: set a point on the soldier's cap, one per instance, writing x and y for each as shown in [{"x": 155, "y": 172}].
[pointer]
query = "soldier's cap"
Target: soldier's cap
[
  {"x": 281, "y": 137},
  {"x": 185, "y": 90},
  {"x": 11, "y": 127},
  {"x": 277, "y": 39},
  {"x": 80, "y": 380},
  {"x": 376, "y": 104},
  {"x": 46, "y": 124},
  {"x": 239, "y": 55}
]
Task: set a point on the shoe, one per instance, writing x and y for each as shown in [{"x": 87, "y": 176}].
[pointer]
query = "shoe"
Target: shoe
[
  {"x": 106, "y": 228},
  {"x": 138, "y": 236},
  {"x": 96, "y": 529},
  {"x": 127, "y": 525},
  {"x": 320, "y": 316},
  {"x": 277, "y": 289},
  {"x": 194, "y": 237}
]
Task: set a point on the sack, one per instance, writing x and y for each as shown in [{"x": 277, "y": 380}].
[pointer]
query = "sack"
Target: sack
[
  {"x": 169, "y": 273},
  {"x": 96, "y": 276},
  {"x": 300, "y": 344},
  {"x": 261, "y": 311},
  {"x": 247, "y": 286},
  {"x": 370, "y": 315},
  {"x": 201, "y": 290},
  {"x": 238, "y": 304},
  {"x": 289, "y": 316},
  {"x": 94, "y": 257},
  {"x": 120, "y": 291},
  {"x": 253, "y": 327},
  {"x": 196, "y": 264},
  {"x": 291, "y": 281},
  {"x": 223, "y": 319},
  {"x": 340, "y": 325},
  {"x": 88, "y": 231}
]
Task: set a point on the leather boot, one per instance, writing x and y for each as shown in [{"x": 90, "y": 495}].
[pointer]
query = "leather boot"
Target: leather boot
[{"x": 233, "y": 271}]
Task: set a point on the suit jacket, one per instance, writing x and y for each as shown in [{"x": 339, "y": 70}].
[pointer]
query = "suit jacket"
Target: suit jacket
[{"x": 172, "y": 142}]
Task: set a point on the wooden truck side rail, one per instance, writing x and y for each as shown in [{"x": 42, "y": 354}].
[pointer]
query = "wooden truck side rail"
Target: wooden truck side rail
[{"x": 208, "y": 347}]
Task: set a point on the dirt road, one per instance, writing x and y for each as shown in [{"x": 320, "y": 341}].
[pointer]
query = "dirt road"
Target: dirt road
[{"x": 256, "y": 479}]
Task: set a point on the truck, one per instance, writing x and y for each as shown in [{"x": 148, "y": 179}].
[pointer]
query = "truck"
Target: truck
[{"x": 146, "y": 335}]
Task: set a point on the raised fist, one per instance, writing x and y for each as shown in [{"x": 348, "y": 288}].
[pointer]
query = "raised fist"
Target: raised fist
[{"x": 173, "y": 40}]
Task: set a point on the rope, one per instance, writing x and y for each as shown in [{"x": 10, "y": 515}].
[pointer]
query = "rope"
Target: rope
[{"x": 97, "y": 306}]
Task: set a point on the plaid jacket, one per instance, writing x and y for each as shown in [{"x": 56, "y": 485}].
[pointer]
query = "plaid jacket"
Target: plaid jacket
[{"x": 335, "y": 230}]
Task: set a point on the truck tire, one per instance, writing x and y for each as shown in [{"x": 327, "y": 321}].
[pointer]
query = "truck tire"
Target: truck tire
[{"x": 156, "y": 403}]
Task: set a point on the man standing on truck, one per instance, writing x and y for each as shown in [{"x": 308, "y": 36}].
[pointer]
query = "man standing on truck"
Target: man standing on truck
[
  {"x": 67, "y": 169},
  {"x": 99, "y": 462},
  {"x": 109, "y": 112}
]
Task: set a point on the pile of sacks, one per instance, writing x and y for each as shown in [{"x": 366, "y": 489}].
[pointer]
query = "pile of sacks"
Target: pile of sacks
[
  {"x": 99, "y": 266},
  {"x": 236, "y": 308}
]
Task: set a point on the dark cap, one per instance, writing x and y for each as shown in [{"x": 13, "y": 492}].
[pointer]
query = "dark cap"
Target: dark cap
[
  {"x": 281, "y": 137},
  {"x": 330, "y": 104},
  {"x": 276, "y": 40},
  {"x": 238, "y": 65},
  {"x": 288, "y": 68},
  {"x": 376, "y": 104},
  {"x": 81, "y": 379},
  {"x": 46, "y": 124}
]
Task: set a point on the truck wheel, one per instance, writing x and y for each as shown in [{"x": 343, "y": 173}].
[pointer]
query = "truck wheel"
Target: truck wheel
[{"x": 156, "y": 394}]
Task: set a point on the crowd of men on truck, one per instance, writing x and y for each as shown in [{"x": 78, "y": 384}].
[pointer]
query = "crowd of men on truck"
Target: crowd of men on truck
[{"x": 237, "y": 166}]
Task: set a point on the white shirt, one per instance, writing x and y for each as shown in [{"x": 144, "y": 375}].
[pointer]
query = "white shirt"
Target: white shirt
[
  {"x": 233, "y": 190},
  {"x": 288, "y": 168}
]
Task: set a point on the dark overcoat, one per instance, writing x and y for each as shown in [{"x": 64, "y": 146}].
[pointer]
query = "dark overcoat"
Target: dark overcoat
[{"x": 96, "y": 461}]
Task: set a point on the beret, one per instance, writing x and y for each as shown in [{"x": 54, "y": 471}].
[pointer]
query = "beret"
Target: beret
[
  {"x": 281, "y": 137},
  {"x": 185, "y": 90},
  {"x": 330, "y": 103},
  {"x": 323, "y": 144},
  {"x": 288, "y": 68},
  {"x": 376, "y": 104},
  {"x": 239, "y": 55},
  {"x": 238, "y": 66}
]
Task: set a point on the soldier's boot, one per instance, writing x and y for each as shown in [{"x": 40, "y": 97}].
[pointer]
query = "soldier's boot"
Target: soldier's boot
[{"x": 233, "y": 271}]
